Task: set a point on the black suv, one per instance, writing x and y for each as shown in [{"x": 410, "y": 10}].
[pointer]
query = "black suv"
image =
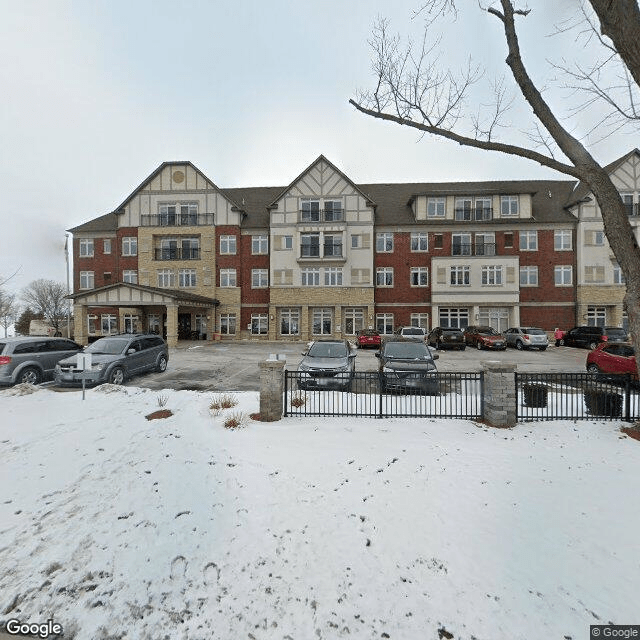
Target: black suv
[
  {"x": 407, "y": 366},
  {"x": 591, "y": 337}
]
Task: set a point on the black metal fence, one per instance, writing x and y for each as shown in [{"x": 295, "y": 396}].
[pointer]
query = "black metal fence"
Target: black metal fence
[
  {"x": 576, "y": 396},
  {"x": 371, "y": 394}
]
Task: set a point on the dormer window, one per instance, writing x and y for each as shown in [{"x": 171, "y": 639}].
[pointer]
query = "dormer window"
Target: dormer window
[
  {"x": 321, "y": 210},
  {"x": 509, "y": 206}
]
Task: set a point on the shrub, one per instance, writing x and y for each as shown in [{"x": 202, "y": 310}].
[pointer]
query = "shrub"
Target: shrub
[
  {"x": 236, "y": 420},
  {"x": 224, "y": 401},
  {"x": 162, "y": 400},
  {"x": 298, "y": 400}
]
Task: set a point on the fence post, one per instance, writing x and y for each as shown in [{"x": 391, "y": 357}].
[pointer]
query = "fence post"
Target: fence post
[
  {"x": 271, "y": 389},
  {"x": 627, "y": 398},
  {"x": 500, "y": 401}
]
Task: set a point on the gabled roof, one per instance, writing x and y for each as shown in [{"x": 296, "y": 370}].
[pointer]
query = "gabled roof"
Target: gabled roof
[
  {"x": 583, "y": 189},
  {"x": 320, "y": 158},
  {"x": 107, "y": 222},
  {"x": 176, "y": 294}
]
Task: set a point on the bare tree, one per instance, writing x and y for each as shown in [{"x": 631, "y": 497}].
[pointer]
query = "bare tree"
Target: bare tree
[
  {"x": 48, "y": 298},
  {"x": 9, "y": 309},
  {"x": 412, "y": 90}
]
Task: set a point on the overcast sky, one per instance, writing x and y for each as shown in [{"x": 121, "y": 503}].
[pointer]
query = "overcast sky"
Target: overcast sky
[{"x": 97, "y": 93}]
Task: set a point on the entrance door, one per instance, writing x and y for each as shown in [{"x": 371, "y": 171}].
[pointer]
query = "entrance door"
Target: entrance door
[
  {"x": 184, "y": 326},
  {"x": 497, "y": 317}
]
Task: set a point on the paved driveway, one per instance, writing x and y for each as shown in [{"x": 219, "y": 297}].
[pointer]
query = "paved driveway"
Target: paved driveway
[{"x": 234, "y": 366}]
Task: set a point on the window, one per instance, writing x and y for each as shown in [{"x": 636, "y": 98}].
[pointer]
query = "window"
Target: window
[
  {"x": 189, "y": 213},
  {"x": 187, "y": 278},
  {"x": 618, "y": 276},
  {"x": 627, "y": 199},
  {"x": 384, "y": 242},
  {"x": 464, "y": 209},
  {"x": 167, "y": 214},
  {"x": 353, "y": 321},
  {"x": 528, "y": 241},
  {"x": 108, "y": 324},
  {"x": 492, "y": 274},
  {"x": 289, "y": 322},
  {"x": 509, "y": 206},
  {"x": 483, "y": 209},
  {"x": 508, "y": 240},
  {"x": 310, "y": 211},
  {"x": 593, "y": 273},
  {"x": 460, "y": 276},
  {"x": 438, "y": 241},
  {"x": 190, "y": 248},
  {"x": 321, "y": 322},
  {"x": 130, "y": 323},
  {"x": 287, "y": 242},
  {"x": 260, "y": 245},
  {"x": 419, "y": 242},
  {"x": 562, "y": 240},
  {"x": 420, "y": 320},
  {"x": 310, "y": 277},
  {"x": 259, "y": 278},
  {"x": 86, "y": 248},
  {"x": 528, "y": 276},
  {"x": 310, "y": 245},
  {"x": 563, "y": 276},
  {"x": 596, "y": 316},
  {"x": 228, "y": 324},
  {"x": 454, "y": 318},
  {"x": 384, "y": 276},
  {"x": 461, "y": 244},
  {"x": 130, "y": 276},
  {"x": 419, "y": 276},
  {"x": 595, "y": 238},
  {"x": 333, "y": 210},
  {"x": 92, "y": 324},
  {"x": 130, "y": 246},
  {"x": 384, "y": 323},
  {"x": 356, "y": 241},
  {"x": 86, "y": 280},
  {"x": 333, "y": 245},
  {"x": 259, "y": 324},
  {"x": 227, "y": 277},
  {"x": 153, "y": 322},
  {"x": 227, "y": 245},
  {"x": 106, "y": 246},
  {"x": 435, "y": 207},
  {"x": 166, "y": 278},
  {"x": 485, "y": 244},
  {"x": 106, "y": 276},
  {"x": 333, "y": 277}
]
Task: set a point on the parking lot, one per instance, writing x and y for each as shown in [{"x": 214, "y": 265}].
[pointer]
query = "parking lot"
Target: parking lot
[{"x": 233, "y": 366}]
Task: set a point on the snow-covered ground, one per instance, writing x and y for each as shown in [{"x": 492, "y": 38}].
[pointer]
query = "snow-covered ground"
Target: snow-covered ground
[{"x": 120, "y": 527}]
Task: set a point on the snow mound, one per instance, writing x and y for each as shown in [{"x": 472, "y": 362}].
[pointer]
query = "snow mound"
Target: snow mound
[
  {"x": 22, "y": 389},
  {"x": 110, "y": 388}
]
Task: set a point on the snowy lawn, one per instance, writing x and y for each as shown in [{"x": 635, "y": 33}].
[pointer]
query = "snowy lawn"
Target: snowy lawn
[{"x": 121, "y": 527}]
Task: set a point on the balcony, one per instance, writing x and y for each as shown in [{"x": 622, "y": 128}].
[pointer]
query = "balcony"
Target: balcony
[
  {"x": 474, "y": 215},
  {"x": 175, "y": 253},
  {"x": 321, "y": 215},
  {"x": 177, "y": 220},
  {"x": 475, "y": 249}
]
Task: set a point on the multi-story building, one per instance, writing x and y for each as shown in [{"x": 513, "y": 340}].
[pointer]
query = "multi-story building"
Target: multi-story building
[{"x": 325, "y": 256}]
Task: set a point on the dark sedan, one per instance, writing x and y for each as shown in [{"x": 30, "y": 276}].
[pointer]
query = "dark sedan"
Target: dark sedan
[{"x": 446, "y": 338}]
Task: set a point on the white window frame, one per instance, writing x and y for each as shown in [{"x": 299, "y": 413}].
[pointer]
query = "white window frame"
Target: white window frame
[
  {"x": 130, "y": 276},
  {"x": 228, "y": 324},
  {"x": 560, "y": 274},
  {"x": 153, "y": 323},
  {"x": 384, "y": 242},
  {"x": 111, "y": 322},
  {"x": 453, "y": 317},
  {"x": 465, "y": 246},
  {"x": 333, "y": 277},
  {"x": 459, "y": 275},
  {"x": 106, "y": 246},
  {"x": 334, "y": 246},
  {"x": 87, "y": 279},
  {"x": 312, "y": 242},
  {"x": 309, "y": 212},
  {"x": 85, "y": 249},
  {"x": 228, "y": 278},
  {"x": 384, "y": 277},
  {"x": 166, "y": 278},
  {"x": 509, "y": 206},
  {"x": 492, "y": 275},
  {"x": 228, "y": 245},
  {"x": 529, "y": 240},
  {"x": 353, "y": 320},
  {"x": 292, "y": 317},
  {"x": 420, "y": 320},
  {"x": 322, "y": 321},
  {"x": 287, "y": 243},
  {"x": 259, "y": 324},
  {"x": 436, "y": 207},
  {"x": 187, "y": 278},
  {"x": 529, "y": 276},
  {"x": 310, "y": 277},
  {"x": 129, "y": 246},
  {"x": 259, "y": 245},
  {"x": 385, "y": 323},
  {"x": 259, "y": 278},
  {"x": 618, "y": 276},
  {"x": 419, "y": 241},
  {"x": 562, "y": 240},
  {"x": 419, "y": 277}
]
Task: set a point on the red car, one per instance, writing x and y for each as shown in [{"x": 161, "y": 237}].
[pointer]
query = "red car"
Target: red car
[
  {"x": 613, "y": 357},
  {"x": 484, "y": 338},
  {"x": 368, "y": 338}
]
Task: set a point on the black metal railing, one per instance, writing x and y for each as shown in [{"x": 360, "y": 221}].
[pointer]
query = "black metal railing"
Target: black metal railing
[
  {"x": 474, "y": 249},
  {"x": 576, "y": 396},
  {"x": 177, "y": 220},
  {"x": 471, "y": 215},
  {"x": 374, "y": 394},
  {"x": 321, "y": 215},
  {"x": 190, "y": 253}
]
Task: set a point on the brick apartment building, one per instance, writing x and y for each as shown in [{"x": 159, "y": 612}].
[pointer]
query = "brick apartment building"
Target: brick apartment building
[{"x": 325, "y": 256}]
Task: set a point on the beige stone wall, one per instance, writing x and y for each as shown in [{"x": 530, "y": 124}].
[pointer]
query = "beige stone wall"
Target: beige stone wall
[{"x": 611, "y": 297}]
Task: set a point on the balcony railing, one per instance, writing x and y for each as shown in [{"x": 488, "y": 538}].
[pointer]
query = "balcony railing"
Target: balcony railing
[
  {"x": 477, "y": 249},
  {"x": 471, "y": 215},
  {"x": 322, "y": 215},
  {"x": 177, "y": 220},
  {"x": 632, "y": 208},
  {"x": 192, "y": 253}
]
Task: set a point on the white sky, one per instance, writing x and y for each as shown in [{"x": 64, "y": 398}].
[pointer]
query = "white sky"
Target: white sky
[{"x": 97, "y": 94}]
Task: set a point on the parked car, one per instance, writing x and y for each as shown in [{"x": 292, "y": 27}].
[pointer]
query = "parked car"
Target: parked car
[
  {"x": 407, "y": 366},
  {"x": 613, "y": 357},
  {"x": 327, "y": 364},
  {"x": 116, "y": 358},
  {"x": 591, "y": 337},
  {"x": 484, "y": 337},
  {"x": 368, "y": 338},
  {"x": 412, "y": 333},
  {"x": 31, "y": 359},
  {"x": 446, "y": 338},
  {"x": 526, "y": 338}
]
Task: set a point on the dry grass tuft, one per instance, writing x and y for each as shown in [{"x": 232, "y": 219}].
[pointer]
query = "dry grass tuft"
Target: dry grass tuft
[
  {"x": 236, "y": 420},
  {"x": 298, "y": 399}
]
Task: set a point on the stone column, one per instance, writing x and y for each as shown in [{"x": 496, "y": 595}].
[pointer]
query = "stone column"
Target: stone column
[
  {"x": 271, "y": 389},
  {"x": 304, "y": 323},
  {"x": 273, "y": 323},
  {"x": 80, "y": 324},
  {"x": 499, "y": 393},
  {"x": 172, "y": 325}
]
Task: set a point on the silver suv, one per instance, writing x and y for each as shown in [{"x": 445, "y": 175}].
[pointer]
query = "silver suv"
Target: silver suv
[
  {"x": 116, "y": 358},
  {"x": 32, "y": 359}
]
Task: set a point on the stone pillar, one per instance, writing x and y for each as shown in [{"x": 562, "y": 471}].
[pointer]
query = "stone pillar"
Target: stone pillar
[
  {"x": 273, "y": 323},
  {"x": 499, "y": 393},
  {"x": 304, "y": 323},
  {"x": 172, "y": 325},
  {"x": 370, "y": 318},
  {"x": 271, "y": 389},
  {"x": 80, "y": 324}
]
